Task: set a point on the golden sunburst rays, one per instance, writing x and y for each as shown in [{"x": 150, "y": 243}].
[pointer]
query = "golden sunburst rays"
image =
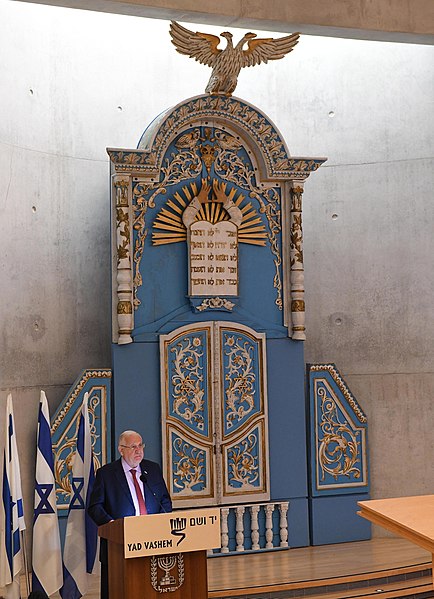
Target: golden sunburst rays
[{"x": 169, "y": 228}]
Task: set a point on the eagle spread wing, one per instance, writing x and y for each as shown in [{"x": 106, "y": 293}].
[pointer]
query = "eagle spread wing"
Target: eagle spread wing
[
  {"x": 227, "y": 63},
  {"x": 201, "y": 46},
  {"x": 263, "y": 50}
]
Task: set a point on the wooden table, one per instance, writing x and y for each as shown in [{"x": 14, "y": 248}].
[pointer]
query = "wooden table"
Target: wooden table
[{"x": 408, "y": 517}]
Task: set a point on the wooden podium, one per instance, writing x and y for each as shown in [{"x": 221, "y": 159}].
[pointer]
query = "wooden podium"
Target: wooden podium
[
  {"x": 408, "y": 517},
  {"x": 154, "y": 554}
]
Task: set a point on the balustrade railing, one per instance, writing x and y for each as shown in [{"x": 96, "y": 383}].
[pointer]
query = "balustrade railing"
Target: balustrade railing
[{"x": 253, "y": 527}]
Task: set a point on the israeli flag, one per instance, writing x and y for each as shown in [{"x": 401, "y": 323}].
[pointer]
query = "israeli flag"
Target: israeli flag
[
  {"x": 12, "y": 516},
  {"x": 81, "y": 532},
  {"x": 47, "y": 573}
]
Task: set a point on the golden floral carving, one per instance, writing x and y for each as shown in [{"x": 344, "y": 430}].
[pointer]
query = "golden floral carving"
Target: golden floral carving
[
  {"x": 183, "y": 166},
  {"x": 121, "y": 187},
  {"x": 88, "y": 374},
  {"x": 124, "y": 307},
  {"x": 215, "y": 302},
  {"x": 123, "y": 249},
  {"x": 189, "y": 465},
  {"x": 148, "y": 159},
  {"x": 219, "y": 108},
  {"x": 241, "y": 376},
  {"x": 296, "y": 236},
  {"x": 231, "y": 167},
  {"x": 342, "y": 387},
  {"x": 338, "y": 448},
  {"x": 187, "y": 381},
  {"x": 208, "y": 155},
  {"x": 297, "y": 306},
  {"x": 242, "y": 462}
]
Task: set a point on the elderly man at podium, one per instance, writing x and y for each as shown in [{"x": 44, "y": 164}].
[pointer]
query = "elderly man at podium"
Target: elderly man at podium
[{"x": 130, "y": 486}]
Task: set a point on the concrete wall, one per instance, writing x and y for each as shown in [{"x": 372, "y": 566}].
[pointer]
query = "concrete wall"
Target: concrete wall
[
  {"x": 73, "y": 83},
  {"x": 401, "y": 20}
]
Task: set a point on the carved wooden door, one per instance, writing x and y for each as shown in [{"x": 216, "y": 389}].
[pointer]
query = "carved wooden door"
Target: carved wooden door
[{"x": 214, "y": 414}]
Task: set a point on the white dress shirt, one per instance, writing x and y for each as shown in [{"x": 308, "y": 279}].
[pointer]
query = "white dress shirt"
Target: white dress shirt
[{"x": 129, "y": 478}]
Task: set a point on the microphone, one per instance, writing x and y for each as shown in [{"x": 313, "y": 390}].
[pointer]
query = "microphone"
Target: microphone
[{"x": 143, "y": 477}]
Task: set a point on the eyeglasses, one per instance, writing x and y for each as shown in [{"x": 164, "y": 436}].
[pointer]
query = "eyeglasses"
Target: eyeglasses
[{"x": 135, "y": 446}]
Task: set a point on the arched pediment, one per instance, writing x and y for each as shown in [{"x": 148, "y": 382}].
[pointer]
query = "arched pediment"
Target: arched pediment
[
  {"x": 212, "y": 159},
  {"x": 244, "y": 119}
]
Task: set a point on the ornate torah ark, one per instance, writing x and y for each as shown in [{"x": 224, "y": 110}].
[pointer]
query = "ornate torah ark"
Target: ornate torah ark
[{"x": 208, "y": 305}]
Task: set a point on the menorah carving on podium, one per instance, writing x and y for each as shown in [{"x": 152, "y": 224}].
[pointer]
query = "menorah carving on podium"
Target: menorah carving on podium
[{"x": 167, "y": 583}]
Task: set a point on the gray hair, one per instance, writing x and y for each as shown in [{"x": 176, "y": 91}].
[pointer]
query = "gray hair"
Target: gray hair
[{"x": 126, "y": 434}]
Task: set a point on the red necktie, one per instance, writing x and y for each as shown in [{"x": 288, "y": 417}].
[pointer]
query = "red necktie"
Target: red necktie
[{"x": 142, "y": 504}]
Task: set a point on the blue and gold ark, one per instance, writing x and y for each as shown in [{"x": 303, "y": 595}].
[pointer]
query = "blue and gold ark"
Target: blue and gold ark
[{"x": 209, "y": 324}]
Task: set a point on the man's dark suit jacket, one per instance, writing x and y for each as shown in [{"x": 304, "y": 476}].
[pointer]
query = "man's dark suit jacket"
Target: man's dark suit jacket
[{"x": 111, "y": 499}]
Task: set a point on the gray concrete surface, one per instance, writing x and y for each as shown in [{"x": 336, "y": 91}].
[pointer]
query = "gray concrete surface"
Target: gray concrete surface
[
  {"x": 401, "y": 20},
  {"x": 74, "y": 82}
]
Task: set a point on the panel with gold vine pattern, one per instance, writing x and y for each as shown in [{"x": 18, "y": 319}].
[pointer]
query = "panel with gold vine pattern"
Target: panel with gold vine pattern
[
  {"x": 215, "y": 446},
  {"x": 339, "y": 434}
]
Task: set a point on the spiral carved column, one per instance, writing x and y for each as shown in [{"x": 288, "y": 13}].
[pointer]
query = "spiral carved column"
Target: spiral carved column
[
  {"x": 124, "y": 272},
  {"x": 296, "y": 263}
]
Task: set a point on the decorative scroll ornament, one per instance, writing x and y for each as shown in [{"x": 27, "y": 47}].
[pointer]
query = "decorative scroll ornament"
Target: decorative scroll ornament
[
  {"x": 233, "y": 112},
  {"x": 187, "y": 381},
  {"x": 226, "y": 64},
  {"x": 338, "y": 450},
  {"x": 216, "y": 303},
  {"x": 189, "y": 466},
  {"x": 168, "y": 583},
  {"x": 243, "y": 463},
  {"x": 232, "y": 169},
  {"x": 242, "y": 380},
  {"x": 226, "y": 458},
  {"x": 337, "y": 378}
]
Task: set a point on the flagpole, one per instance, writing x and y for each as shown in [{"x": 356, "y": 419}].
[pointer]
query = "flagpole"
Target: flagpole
[{"x": 26, "y": 562}]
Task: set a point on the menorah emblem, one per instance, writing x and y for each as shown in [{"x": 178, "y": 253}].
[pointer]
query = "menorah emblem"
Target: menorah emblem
[
  {"x": 178, "y": 525},
  {"x": 166, "y": 563},
  {"x": 167, "y": 583}
]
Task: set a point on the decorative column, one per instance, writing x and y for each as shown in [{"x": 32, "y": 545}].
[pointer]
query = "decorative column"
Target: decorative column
[
  {"x": 269, "y": 509},
  {"x": 239, "y": 527},
  {"x": 224, "y": 514},
  {"x": 283, "y": 524},
  {"x": 254, "y": 510},
  {"x": 296, "y": 263},
  {"x": 124, "y": 273}
]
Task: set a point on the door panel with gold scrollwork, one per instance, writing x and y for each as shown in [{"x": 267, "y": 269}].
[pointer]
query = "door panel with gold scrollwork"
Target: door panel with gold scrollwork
[
  {"x": 188, "y": 445},
  {"x": 243, "y": 413},
  {"x": 214, "y": 414}
]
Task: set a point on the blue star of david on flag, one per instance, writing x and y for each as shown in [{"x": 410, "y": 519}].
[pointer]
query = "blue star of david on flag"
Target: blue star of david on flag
[
  {"x": 12, "y": 510},
  {"x": 77, "y": 502},
  {"x": 44, "y": 506},
  {"x": 47, "y": 576},
  {"x": 81, "y": 532}
]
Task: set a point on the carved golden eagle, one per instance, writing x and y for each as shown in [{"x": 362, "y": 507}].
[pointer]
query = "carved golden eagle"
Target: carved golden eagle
[{"x": 227, "y": 63}]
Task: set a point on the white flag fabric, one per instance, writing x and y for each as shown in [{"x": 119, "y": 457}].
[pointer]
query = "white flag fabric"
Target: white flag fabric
[
  {"x": 47, "y": 575},
  {"x": 81, "y": 532},
  {"x": 12, "y": 516}
]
